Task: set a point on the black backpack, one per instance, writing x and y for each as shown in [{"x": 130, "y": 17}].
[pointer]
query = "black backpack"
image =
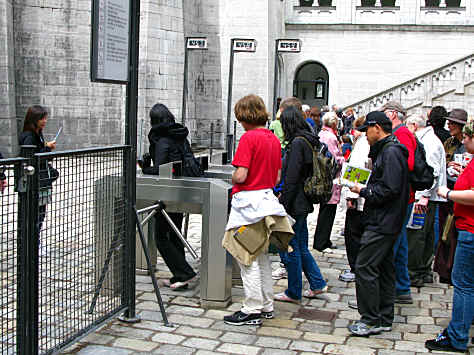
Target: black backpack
[
  {"x": 191, "y": 166},
  {"x": 318, "y": 186},
  {"x": 422, "y": 177}
]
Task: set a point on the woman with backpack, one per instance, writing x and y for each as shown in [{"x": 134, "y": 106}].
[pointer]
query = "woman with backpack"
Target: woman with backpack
[
  {"x": 168, "y": 143},
  {"x": 327, "y": 211},
  {"x": 297, "y": 166}
]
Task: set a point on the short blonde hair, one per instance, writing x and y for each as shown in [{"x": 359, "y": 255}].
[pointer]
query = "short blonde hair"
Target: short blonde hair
[
  {"x": 330, "y": 119},
  {"x": 251, "y": 109}
]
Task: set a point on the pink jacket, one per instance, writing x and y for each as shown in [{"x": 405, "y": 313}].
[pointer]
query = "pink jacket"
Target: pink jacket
[{"x": 327, "y": 136}]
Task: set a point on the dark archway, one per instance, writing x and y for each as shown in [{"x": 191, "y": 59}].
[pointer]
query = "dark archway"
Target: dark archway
[{"x": 311, "y": 84}]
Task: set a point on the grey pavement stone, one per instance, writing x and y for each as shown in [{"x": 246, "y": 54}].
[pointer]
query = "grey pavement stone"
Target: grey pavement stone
[
  {"x": 220, "y": 325},
  {"x": 411, "y": 346},
  {"x": 102, "y": 350},
  {"x": 238, "y": 349},
  {"x": 300, "y": 345},
  {"x": 191, "y": 321},
  {"x": 239, "y": 338},
  {"x": 200, "y": 343},
  {"x": 173, "y": 350},
  {"x": 128, "y": 332},
  {"x": 198, "y": 332},
  {"x": 272, "y": 342},
  {"x": 270, "y": 351},
  {"x": 188, "y": 311},
  {"x": 344, "y": 349},
  {"x": 135, "y": 344},
  {"x": 150, "y": 315},
  {"x": 167, "y": 338}
]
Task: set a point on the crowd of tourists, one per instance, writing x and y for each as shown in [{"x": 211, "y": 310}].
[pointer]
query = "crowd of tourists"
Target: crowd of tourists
[
  {"x": 413, "y": 216},
  {"x": 398, "y": 232}
]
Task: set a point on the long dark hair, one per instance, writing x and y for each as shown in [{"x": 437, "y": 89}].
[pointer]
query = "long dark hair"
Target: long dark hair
[
  {"x": 33, "y": 115},
  {"x": 437, "y": 117},
  {"x": 159, "y": 114},
  {"x": 292, "y": 121}
]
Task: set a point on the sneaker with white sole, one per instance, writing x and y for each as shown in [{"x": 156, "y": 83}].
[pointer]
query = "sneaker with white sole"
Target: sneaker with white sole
[
  {"x": 279, "y": 273},
  {"x": 267, "y": 315},
  {"x": 363, "y": 330},
  {"x": 353, "y": 304},
  {"x": 241, "y": 318},
  {"x": 347, "y": 276}
]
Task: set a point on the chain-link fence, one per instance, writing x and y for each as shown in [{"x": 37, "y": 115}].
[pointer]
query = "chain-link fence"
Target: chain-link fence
[{"x": 63, "y": 247}]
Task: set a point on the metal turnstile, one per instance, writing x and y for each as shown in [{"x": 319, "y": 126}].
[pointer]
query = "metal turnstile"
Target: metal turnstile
[{"x": 208, "y": 197}]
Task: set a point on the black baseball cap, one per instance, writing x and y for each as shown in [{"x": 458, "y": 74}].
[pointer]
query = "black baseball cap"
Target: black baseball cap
[{"x": 373, "y": 118}]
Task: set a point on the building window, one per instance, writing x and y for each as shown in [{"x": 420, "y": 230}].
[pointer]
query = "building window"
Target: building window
[{"x": 319, "y": 88}]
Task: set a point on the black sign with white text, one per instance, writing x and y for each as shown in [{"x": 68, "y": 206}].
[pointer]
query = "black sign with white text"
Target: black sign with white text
[{"x": 110, "y": 41}]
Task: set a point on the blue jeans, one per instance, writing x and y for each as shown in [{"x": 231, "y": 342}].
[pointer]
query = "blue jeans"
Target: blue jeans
[
  {"x": 400, "y": 252},
  {"x": 283, "y": 257},
  {"x": 463, "y": 297},
  {"x": 301, "y": 259},
  {"x": 436, "y": 228}
]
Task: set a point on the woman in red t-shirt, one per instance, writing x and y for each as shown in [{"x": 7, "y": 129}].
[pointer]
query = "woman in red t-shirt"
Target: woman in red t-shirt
[
  {"x": 455, "y": 337},
  {"x": 258, "y": 168}
]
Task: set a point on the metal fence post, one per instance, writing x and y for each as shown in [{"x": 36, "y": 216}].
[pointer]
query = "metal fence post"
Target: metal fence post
[
  {"x": 27, "y": 268},
  {"x": 130, "y": 168}
]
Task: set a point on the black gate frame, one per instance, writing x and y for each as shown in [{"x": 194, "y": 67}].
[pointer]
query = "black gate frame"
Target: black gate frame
[{"x": 27, "y": 307}]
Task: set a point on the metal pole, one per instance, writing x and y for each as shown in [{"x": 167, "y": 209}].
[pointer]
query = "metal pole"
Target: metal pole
[
  {"x": 235, "y": 140},
  {"x": 27, "y": 264},
  {"x": 130, "y": 168},
  {"x": 275, "y": 74},
  {"x": 211, "y": 144},
  {"x": 229, "y": 92},
  {"x": 185, "y": 82}
]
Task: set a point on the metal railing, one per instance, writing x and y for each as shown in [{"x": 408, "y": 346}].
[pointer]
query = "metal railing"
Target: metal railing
[{"x": 53, "y": 249}]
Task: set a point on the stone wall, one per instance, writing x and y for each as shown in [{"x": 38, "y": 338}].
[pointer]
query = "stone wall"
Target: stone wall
[
  {"x": 8, "y": 125},
  {"x": 253, "y": 72},
  {"x": 204, "y": 100},
  {"x": 161, "y": 62},
  {"x": 52, "y": 40},
  {"x": 364, "y": 61}
]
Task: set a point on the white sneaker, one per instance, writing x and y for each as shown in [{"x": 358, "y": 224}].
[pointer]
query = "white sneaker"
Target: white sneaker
[
  {"x": 279, "y": 273},
  {"x": 347, "y": 276}
]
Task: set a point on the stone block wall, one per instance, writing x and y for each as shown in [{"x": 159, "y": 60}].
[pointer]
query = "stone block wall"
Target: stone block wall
[
  {"x": 363, "y": 62},
  {"x": 51, "y": 49},
  {"x": 204, "y": 99},
  {"x": 8, "y": 124}
]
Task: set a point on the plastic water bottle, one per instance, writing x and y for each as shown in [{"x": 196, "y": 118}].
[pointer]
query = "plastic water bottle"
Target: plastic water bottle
[{"x": 417, "y": 220}]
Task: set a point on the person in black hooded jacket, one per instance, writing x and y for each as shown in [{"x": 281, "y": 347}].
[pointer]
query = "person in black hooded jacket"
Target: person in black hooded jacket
[
  {"x": 386, "y": 200},
  {"x": 167, "y": 142},
  {"x": 297, "y": 166}
]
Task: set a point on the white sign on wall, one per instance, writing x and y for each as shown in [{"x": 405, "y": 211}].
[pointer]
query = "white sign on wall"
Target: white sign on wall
[
  {"x": 110, "y": 41},
  {"x": 289, "y": 45},
  {"x": 196, "y": 43},
  {"x": 245, "y": 45}
]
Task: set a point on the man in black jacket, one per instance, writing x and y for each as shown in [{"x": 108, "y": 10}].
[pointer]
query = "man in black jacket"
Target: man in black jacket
[{"x": 386, "y": 199}]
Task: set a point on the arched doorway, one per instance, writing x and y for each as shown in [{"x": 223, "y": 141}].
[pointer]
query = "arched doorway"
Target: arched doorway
[{"x": 311, "y": 84}]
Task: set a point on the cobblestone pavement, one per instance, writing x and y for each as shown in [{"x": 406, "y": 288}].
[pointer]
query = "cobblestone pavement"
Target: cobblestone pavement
[{"x": 201, "y": 332}]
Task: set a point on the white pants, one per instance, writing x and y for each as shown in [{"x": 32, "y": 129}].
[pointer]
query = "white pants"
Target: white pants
[{"x": 258, "y": 285}]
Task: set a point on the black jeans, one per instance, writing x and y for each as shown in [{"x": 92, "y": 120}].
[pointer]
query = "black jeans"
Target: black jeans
[
  {"x": 375, "y": 278},
  {"x": 421, "y": 246},
  {"x": 352, "y": 235},
  {"x": 322, "y": 235},
  {"x": 171, "y": 248}
]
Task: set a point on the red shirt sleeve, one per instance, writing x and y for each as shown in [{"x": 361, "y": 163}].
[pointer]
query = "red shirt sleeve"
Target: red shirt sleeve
[
  {"x": 243, "y": 155},
  {"x": 408, "y": 140}
]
